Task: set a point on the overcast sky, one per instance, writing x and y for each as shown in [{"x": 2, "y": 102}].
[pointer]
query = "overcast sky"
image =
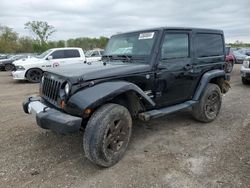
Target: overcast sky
[{"x": 92, "y": 18}]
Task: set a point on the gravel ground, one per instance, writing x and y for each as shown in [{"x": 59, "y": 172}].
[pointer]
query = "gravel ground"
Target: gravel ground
[{"x": 174, "y": 151}]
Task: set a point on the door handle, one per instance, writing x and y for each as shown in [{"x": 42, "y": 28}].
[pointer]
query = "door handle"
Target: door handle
[{"x": 188, "y": 67}]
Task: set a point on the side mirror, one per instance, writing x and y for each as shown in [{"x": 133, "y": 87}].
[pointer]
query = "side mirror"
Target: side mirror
[
  {"x": 93, "y": 55},
  {"x": 248, "y": 53},
  {"x": 50, "y": 57}
]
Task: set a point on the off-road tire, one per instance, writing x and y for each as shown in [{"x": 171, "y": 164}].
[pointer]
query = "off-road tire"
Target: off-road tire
[
  {"x": 101, "y": 141},
  {"x": 34, "y": 75},
  {"x": 8, "y": 67},
  {"x": 245, "y": 81},
  {"x": 208, "y": 108}
]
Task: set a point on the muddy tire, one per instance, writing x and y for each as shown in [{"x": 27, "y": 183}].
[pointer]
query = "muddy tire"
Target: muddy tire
[
  {"x": 9, "y": 67},
  {"x": 245, "y": 81},
  {"x": 34, "y": 75},
  {"x": 107, "y": 134},
  {"x": 209, "y": 105}
]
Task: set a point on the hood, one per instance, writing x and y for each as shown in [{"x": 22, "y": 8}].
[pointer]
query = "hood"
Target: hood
[
  {"x": 27, "y": 61},
  {"x": 98, "y": 70}
]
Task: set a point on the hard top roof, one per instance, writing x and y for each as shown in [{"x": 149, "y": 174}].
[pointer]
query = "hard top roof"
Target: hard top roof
[{"x": 203, "y": 30}]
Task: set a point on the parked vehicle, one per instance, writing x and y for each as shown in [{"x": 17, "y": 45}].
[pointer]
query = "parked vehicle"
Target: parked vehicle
[
  {"x": 7, "y": 65},
  {"x": 245, "y": 71},
  {"x": 145, "y": 74},
  {"x": 94, "y": 55},
  {"x": 3, "y": 56},
  {"x": 240, "y": 55},
  {"x": 230, "y": 60},
  {"x": 32, "y": 69}
]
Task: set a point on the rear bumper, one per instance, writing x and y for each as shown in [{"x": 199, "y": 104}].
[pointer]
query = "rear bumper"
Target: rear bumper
[
  {"x": 50, "y": 118},
  {"x": 239, "y": 61}
]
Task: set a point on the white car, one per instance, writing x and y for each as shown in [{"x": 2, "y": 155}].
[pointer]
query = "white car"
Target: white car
[
  {"x": 32, "y": 69},
  {"x": 94, "y": 55},
  {"x": 245, "y": 71}
]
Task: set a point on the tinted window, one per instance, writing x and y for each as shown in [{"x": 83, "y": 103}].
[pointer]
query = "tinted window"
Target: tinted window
[
  {"x": 59, "y": 54},
  {"x": 209, "y": 45},
  {"x": 175, "y": 46},
  {"x": 95, "y": 53},
  {"x": 71, "y": 53}
]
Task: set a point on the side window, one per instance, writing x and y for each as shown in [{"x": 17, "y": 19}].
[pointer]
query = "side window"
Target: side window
[
  {"x": 175, "y": 45},
  {"x": 59, "y": 54},
  {"x": 209, "y": 45},
  {"x": 71, "y": 53},
  {"x": 95, "y": 54}
]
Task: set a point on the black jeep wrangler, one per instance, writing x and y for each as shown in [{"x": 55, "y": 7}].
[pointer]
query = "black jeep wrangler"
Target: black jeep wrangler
[{"x": 144, "y": 74}]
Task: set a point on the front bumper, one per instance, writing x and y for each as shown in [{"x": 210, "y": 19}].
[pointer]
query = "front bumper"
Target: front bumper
[
  {"x": 245, "y": 72},
  {"x": 50, "y": 118},
  {"x": 18, "y": 75}
]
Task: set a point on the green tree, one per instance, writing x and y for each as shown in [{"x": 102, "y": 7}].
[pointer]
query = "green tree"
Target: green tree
[
  {"x": 8, "y": 40},
  {"x": 41, "y": 29},
  {"x": 25, "y": 44}
]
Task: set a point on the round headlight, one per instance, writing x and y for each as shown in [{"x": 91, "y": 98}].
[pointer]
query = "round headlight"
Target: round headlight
[{"x": 67, "y": 88}]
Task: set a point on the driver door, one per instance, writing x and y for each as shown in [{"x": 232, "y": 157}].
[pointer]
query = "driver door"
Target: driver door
[
  {"x": 57, "y": 58},
  {"x": 174, "y": 76}
]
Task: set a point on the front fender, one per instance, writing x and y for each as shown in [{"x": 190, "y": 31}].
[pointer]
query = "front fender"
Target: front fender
[
  {"x": 206, "y": 78},
  {"x": 92, "y": 97}
]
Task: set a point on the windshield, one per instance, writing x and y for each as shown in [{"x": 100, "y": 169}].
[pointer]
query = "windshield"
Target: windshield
[
  {"x": 131, "y": 44},
  {"x": 44, "y": 54},
  {"x": 88, "y": 53}
]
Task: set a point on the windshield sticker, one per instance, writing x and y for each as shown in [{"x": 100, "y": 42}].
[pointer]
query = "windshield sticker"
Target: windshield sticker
[{"x": 149, "y": 35}]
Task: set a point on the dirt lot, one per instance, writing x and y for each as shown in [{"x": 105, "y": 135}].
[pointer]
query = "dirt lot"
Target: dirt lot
[{"x": 174, "y": 151}]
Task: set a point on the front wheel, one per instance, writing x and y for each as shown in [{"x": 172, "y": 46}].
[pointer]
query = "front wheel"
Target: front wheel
[
  {"x": 34, "y": 75},
  {"x": 107, "y": 134},
  {"x": 209, "y": 105}
]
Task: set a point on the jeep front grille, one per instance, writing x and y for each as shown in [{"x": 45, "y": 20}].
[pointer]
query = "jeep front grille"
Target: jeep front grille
[{"x": 50, "y": 89}]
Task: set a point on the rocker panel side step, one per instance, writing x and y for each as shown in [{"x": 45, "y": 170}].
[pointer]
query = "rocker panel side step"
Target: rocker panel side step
[{"x": 146, "y": 116}]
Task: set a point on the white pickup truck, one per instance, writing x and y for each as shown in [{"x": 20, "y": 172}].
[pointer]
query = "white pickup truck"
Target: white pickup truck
[
  {"x": 94, "y": 55},
  {"x": 32, "y": 69}
]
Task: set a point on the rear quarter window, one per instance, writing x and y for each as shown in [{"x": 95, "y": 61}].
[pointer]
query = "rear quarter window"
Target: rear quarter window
[{"x": 208, "y": 45}]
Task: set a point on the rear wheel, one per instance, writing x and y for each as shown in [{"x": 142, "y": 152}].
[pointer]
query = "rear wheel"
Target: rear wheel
[
  {"x": 209, "y": 105},
  {"x": 229, "y": 67},
  {"x": 34, "y": 75},
  {"x": 107, "y": 134},
  {"x": 9, "y": 67}
]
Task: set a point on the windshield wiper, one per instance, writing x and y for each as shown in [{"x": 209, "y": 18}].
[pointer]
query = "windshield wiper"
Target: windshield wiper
[
  {"x": 107, "y": 57},
  {"x": 128, "y": 58},
  {"x": 123, "y": 58}
]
